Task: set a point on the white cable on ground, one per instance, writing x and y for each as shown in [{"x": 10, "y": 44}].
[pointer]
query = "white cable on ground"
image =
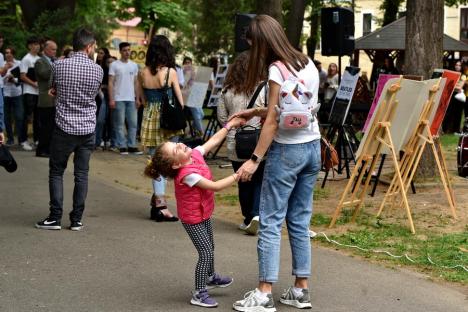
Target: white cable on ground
[{"x": 313, "y": 234}]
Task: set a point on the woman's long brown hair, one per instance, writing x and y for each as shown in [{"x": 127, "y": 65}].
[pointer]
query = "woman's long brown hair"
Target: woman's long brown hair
[
  {"x": 270, "y": 44},
  {"x": 237, "y": 74}
]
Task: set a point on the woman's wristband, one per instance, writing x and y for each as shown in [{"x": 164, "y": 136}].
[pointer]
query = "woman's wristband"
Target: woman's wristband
[{"x": 227, "y": 127}]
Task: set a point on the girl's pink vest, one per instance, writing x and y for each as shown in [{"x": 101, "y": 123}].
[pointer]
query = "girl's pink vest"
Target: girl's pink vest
[{"x": 194, "y": 204}]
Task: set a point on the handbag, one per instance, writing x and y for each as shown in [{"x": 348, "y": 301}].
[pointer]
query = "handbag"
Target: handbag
[
  {"x": 172, "y": 116},
  {"x": 328, "y": 154},
  {"x": 247, "y": 136}
]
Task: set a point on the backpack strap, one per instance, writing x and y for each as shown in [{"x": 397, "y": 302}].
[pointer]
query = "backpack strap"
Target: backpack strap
[{"x": 283, "y": 69}]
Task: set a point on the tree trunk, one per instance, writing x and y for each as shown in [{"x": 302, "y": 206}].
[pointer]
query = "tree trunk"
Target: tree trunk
[
  {"x": 424, "y": 53},
  {"x": 295, "y": 23},
  {"x": 32, "y": 8},
  {"x": 273, "y": 8},
  {"x": 314, "y": 28}
]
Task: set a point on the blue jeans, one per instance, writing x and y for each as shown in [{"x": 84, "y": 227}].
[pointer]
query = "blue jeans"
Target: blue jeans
[
  {"x": 290, "y": 174},
  {"x": 197, "y": 115},
  {"x": 125, "y": 110},
  {"x": 101, "y": 121},
  {"x": 14, "y": 110}
]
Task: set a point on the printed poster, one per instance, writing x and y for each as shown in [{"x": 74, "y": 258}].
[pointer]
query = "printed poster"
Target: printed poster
[
  {"x": 196, "y": 86},
  {"x": 340, "y": 107}
]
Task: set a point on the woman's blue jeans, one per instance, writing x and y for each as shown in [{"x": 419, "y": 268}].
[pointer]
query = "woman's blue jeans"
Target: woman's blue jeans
[
  {"x": 290, "y": 174},
  {"x": 14, "y": 110}
]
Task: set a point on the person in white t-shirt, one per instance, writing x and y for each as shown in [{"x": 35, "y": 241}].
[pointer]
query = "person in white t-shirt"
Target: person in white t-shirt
[
  {"x": 30, "y": 89},
  {"x": 12, "y": 98},
  {"x": 122, "y": 94},
  {"x": 291, "y": 167}
]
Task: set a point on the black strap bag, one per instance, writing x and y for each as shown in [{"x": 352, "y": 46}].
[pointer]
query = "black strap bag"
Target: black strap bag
[
  {"x": 172, "y": 116},
  {"x": 247, "y": 136}
]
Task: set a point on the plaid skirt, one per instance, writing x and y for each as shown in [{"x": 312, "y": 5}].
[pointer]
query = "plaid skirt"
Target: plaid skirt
[{"x": 151, "y": 134}]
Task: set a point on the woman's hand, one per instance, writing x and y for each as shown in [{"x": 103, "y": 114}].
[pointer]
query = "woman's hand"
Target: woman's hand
[
  {"x": 246, "y": 114},
  {"x": 247, "y": 170}
]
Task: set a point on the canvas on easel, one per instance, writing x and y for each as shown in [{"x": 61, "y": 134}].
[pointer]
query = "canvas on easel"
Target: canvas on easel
[
  {"x": 375, "y": 138},
  {"x": 414, "y": 148}
]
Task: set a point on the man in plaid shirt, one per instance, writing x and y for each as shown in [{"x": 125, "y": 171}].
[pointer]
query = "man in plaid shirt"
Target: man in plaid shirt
[{"x": 75, "y": 84}]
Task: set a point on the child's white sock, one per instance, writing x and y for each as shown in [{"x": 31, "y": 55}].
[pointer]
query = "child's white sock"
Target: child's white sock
[{"x": 297, "y": 291}]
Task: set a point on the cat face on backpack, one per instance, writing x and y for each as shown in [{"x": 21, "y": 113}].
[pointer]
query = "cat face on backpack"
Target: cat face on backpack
[
  {"x": 294, "y": 92},
  {"x": 295, "y": 105}
]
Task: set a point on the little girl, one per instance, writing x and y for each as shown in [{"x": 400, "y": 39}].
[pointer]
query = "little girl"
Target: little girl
[{"x": 194, "y": 192}]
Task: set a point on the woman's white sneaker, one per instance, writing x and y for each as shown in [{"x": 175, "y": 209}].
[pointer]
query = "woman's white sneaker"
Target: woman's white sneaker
[{"x": 301, "y": 301}]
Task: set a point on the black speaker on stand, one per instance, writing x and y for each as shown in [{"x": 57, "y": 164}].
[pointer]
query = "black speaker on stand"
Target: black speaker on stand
[
  {"x": 337, "y": 33},
  {"x": 241, "y": 26}
]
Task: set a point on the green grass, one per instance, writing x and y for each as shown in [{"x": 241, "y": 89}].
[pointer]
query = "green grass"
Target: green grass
[
  {"x": 321, "y": 193},
  {"x": 371, "y": 233},
  {"x": 227, "y": 199},
  {"x": 449, "y": 141}
]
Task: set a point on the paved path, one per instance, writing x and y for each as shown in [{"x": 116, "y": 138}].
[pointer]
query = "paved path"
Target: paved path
[{"x": 123, "y": 262}]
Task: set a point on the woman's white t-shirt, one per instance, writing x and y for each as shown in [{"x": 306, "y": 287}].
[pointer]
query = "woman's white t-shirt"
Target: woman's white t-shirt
[{"x": 309, "y": 74}]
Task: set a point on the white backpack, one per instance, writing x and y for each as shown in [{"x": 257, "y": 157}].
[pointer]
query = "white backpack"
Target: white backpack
[{"x": 294, "y": 108}]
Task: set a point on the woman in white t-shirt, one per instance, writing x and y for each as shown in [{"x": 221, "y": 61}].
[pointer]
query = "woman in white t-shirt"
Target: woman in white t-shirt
[{"x": 291, "y": 168}]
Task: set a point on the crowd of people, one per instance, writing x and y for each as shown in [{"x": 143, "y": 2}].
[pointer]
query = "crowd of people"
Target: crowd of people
[{"x": 77, "y": 104}]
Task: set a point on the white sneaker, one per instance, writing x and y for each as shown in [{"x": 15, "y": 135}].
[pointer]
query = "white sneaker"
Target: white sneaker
[
  {"x": 312, "y": 234},
  {"x": 242, "y": 226},
  {"x": 26, "y": 146},
  {"x": 252, "y": 228},
  {"x": 252, "y": 303}
]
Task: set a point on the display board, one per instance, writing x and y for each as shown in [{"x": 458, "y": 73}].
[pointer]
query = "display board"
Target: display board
[
  {"x": 340, "y": 107},
  {"x": 194, "y": 91},
  {"x": 439, "y": 115},
  {"x": 218, "y": 85}
]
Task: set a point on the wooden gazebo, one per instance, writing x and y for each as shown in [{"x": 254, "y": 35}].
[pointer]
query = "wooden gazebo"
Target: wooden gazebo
[{"x": 390, "y": 40}]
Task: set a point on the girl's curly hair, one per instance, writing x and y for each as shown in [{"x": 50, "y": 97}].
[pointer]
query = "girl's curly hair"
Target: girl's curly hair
[{"x": 160, "y": 165}]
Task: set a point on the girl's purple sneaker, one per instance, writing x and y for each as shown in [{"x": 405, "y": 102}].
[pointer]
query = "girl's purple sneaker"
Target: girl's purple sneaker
[
  {"x": 218, "y": 281},
  {"x": 202, "y": 299}
]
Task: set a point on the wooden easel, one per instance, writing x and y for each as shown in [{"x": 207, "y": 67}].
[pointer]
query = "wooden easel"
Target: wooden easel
[
  {"x": 413, "y": 151},
  {"x": 378, "y": 137}
]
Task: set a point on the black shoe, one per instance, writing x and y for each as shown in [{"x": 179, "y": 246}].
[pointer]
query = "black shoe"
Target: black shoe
[
  {"x": 123, "y": 151},
  {"x": 134, "y": 151},
  {"x": 49, "y": 224},
  {"x": 76, "y": 226},
  {"x": 158, "y": 216},
  {"x": 44, "y": 155}
]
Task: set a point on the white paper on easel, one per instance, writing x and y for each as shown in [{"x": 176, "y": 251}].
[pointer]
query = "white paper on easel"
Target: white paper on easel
[
  {"x": 412, "y": 98},
  {"x": 384, "y": 97},
  {"x": 407, "y": 112},
  {"x": 197, "y": 89}
]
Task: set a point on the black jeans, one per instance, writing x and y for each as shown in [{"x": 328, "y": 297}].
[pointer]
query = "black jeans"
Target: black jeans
[
  {"x": 249, "y": 191},
  {"x": 61, "y": 146},
  {"x": 30, "y": 114},
  {"x": 46, "y": 117}
]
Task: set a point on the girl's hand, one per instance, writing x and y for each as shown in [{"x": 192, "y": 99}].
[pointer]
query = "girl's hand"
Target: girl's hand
[{"x": 235, "y": 122}]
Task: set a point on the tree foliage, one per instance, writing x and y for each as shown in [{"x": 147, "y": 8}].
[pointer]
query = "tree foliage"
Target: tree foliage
[
  {"x": 51, "y": 19},
  {"x": 155, "y": 14}
]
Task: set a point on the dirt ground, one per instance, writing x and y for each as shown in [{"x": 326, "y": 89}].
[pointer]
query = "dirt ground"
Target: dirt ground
[{"x": 429, "y": 205}]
